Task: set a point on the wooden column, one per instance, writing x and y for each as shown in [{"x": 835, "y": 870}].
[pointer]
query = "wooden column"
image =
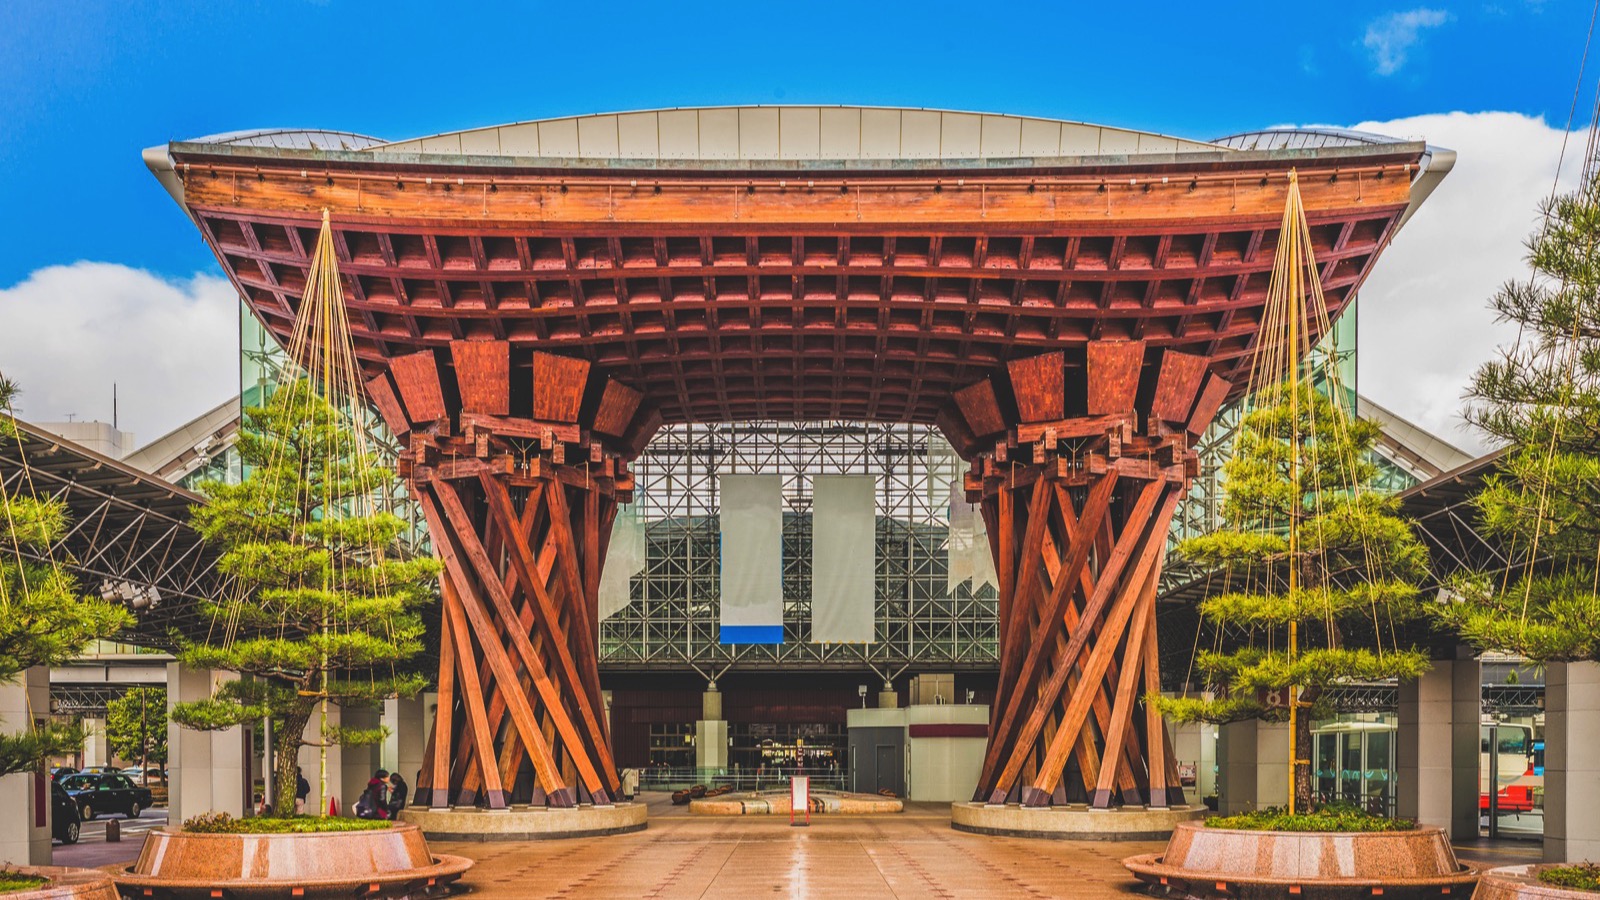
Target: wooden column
[
  {"x": 1082, "y": 490},
  {"x": 517, "y": 502}
]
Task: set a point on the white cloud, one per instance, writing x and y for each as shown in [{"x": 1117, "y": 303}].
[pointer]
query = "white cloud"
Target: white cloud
[
  {"x": 67, "y": 333},
  {"x": 1425, "y": 323},
  {"x": 1390, "y": 37}
]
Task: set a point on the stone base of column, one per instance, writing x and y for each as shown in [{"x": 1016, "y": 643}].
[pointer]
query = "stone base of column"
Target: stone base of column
[
  {"x": 1252, "y": 766},
  {"x": 1572, "y": 762},
  {"x": 1071, "y": 823},
  {"x": 525, "y": 823}
]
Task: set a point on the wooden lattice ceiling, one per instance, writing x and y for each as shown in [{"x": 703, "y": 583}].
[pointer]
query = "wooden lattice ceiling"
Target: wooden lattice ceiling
[{"x": 868, "y": 297}]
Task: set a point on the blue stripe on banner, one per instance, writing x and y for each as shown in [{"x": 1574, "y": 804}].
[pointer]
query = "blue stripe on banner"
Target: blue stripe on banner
[{"x": 752, "y": 634}]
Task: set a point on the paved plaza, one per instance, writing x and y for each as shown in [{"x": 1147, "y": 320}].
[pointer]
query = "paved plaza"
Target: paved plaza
[{"x": 912, "y": 855}]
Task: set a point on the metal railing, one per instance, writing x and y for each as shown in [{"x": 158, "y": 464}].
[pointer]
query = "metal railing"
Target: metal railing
[{"x": 676, "y": 779}]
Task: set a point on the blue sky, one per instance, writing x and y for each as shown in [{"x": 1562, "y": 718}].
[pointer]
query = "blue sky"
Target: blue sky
[
  {"x": 87, "y": 85},
  {"x": 95, "y": 258}
]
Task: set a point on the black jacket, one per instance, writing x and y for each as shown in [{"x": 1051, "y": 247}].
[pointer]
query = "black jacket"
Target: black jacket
[{"x": 397, "y": 798}]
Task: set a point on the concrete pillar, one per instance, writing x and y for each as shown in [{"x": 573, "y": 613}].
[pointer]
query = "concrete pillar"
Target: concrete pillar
[
  {"x": 407, "y": 720},
  {"x": 1195, "y": 744},
  {"x": 1436, "y": 752},
  {"x": 1571, "y": 762},
  {"x": 209, "y": 770},
  {"x": 711, "y": 732},
  {"x": 349, "y": 768},
  {"x": 1252, "y": 766},
  {"x": 25, "y": 797},
  {"x": 711, "y": 744},
  {"x": 96, "y": 744}
]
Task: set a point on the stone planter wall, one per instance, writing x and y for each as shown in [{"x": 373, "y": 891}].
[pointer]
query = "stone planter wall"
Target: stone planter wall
[
  {"x": 1522, "y": 883},
  {"x": 389, "y": 862},
  {"x": 67, "y": 884},
  {"x": 1224, "y": 862}
]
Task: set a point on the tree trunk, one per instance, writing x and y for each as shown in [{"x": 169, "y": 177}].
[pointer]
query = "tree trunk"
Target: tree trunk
[
  {"x": 286, "y": 749},
  {"x": 1302, "y": 755}
]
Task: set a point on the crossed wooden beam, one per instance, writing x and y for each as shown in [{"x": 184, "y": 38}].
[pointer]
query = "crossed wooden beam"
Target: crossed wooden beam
[
  {"x": 1078, "y": 494},
  {"x": 519, "y": 509}
]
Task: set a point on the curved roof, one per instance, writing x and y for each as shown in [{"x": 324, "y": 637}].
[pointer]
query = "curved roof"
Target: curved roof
[
  {"x": 293, "y": 139},
  {"x": 796, "y": 133}
]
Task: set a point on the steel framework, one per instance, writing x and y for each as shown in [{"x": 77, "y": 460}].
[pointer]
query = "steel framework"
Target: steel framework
[
  {"x": 128, "y": 538},
  {"x": 921, "y": 622}
]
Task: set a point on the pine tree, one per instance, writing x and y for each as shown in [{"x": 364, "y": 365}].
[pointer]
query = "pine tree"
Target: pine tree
[
  {"x": 330, "y": 606},
  {"x": 1542, "y": 397},
  {"x": 1357, "y": 563},
  {"x": 136, "y": 726},
  {"x": 44, "y": 619}
]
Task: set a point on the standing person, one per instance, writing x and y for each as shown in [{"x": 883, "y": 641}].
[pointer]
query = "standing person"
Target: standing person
[
  {"x": 397, "y": 795},
  {"x": 302, "y": 790},
  {"x": 630, "y": 783}
]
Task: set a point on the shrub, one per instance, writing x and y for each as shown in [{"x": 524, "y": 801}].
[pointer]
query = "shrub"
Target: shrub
[
  {"x": 1333, "y": 817},
  {"x": 222, "y": 823},
  {"x": 11, "y": 881},
  {"x": 1582, "y": 876}
]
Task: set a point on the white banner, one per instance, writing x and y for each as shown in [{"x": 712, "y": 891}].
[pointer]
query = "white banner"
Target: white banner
[
  {"x": 968, "y": 547},
  {"x": 624, "y": 559},
  {"x": 752, "y": 559},
  {"x": 843, "y": 558}
]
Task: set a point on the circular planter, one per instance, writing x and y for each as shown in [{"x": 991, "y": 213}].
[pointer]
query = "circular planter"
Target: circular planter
[
  {"x": 388, "y": 862},
  {"x": 1522, "y": 883},
  {"x": 66, "y": 882},
  {"x": 1223, "y": 862}
]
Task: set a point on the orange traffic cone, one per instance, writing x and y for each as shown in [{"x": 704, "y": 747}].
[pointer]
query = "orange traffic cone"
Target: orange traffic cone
[{"x": 333, "y": 806}]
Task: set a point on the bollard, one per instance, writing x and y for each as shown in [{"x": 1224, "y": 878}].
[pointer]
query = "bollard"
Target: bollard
[{"x": 113, "y": 831}]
